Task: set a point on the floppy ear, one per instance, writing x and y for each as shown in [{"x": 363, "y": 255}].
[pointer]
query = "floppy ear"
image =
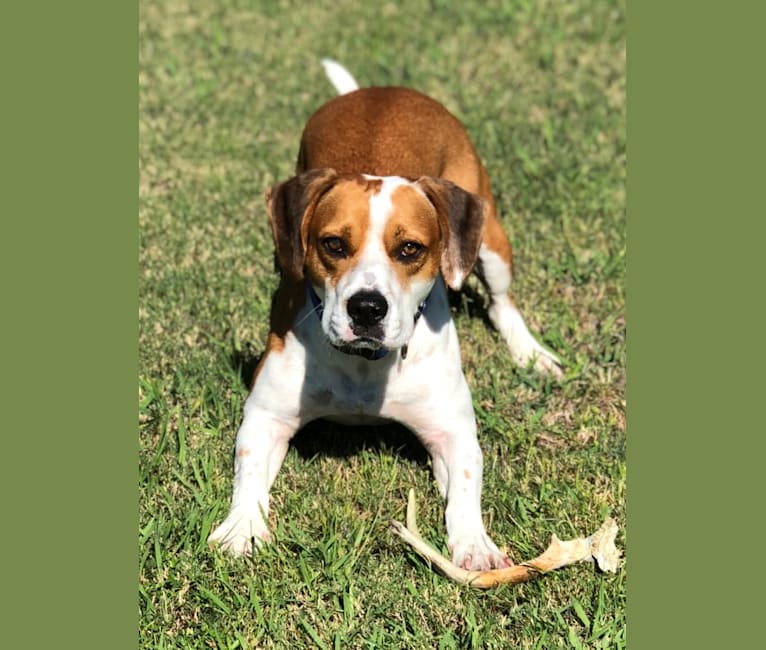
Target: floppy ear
[
  {"x": 290, "y": 206},
  {"x": 461, "y": 219}
]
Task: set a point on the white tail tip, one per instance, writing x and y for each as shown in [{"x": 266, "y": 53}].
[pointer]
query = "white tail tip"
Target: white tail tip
[{"x": 339, "y": 77}]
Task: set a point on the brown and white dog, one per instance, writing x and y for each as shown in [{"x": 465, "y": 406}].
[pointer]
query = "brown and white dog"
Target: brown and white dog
[{"x": 390, "y": 206}]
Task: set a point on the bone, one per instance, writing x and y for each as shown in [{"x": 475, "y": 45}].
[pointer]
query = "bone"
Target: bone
[{"x": 560, "y": 553}]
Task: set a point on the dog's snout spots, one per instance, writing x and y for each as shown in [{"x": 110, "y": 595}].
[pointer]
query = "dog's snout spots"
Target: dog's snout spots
[
  {"x": 367, "y": 308},
  {"x": 369, "y": 278}
]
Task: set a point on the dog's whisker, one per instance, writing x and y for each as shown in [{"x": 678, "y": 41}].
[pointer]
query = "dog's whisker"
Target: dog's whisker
[{"x": 313, "y": 310}]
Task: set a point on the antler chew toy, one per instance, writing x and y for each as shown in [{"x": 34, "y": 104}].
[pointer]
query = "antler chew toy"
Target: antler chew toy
[{"x": 599, "y": 547}]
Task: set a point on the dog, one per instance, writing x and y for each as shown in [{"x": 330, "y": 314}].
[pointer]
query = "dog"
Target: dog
[{"x": 389, "y": 207}]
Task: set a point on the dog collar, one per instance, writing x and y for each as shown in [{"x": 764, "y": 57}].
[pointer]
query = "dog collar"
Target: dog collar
[{"x": 367, "y": 353}]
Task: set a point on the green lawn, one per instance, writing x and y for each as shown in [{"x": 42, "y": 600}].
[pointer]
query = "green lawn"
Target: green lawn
[{"x": 225, "y": 87}]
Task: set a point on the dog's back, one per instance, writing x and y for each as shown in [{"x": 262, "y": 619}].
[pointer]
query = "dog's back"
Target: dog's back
[{"x": 391, "y": 132}]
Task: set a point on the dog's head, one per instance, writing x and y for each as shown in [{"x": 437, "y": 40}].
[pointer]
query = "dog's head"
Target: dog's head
[{"x": 372, "y": 247}]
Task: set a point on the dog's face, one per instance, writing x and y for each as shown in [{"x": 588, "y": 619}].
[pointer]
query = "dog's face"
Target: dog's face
[{"x": 372, "y": 248}]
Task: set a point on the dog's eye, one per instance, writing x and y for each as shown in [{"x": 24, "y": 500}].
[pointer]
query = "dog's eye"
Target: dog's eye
[
  {"x": 335, "y": 246},
  {"x": 410, "y": 250}
]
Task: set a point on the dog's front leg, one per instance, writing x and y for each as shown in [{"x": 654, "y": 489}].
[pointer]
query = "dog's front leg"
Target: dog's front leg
[
  {"x": 448, "y": 431},
  {"x": 262, "y": 442}
]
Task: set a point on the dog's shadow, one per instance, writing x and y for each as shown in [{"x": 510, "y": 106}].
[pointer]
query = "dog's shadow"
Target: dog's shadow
[
  {"x": 469, "y": 300},
  {"x": 326, "y": 438}
]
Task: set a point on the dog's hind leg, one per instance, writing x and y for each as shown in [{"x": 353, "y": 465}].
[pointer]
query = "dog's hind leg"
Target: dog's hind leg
[{"x": 494, "y": 270}]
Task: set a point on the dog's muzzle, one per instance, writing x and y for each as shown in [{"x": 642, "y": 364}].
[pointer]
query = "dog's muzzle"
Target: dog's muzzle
[
  {"x": 367, "y": 309},
  {"x": 370, "y": 308}
]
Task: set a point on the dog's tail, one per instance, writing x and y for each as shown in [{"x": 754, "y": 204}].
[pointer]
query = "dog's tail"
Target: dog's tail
[{"x": 339, "y": 77}]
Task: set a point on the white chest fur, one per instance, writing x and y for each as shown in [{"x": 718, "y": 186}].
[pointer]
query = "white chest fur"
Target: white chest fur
[{"x": 310, "y": 379}]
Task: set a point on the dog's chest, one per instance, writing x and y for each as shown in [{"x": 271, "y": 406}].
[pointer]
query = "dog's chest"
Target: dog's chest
[
  {"x": 310, "y": 379},
  {"x": 356, "y": 391}
]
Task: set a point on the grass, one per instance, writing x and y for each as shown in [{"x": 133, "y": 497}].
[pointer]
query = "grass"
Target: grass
[{"x": 225, "y": 88}]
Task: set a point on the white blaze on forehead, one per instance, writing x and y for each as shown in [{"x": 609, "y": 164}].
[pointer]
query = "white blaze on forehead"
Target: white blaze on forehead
[
  {"x": 381, "y": 204},
  {"x": 374, "y": 263}
]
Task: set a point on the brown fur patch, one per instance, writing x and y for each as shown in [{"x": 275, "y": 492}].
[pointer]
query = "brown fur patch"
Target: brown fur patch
[
  {"x": 343, "y": 212},
  {"x": 285, "y": 305},
  {"x": 496, "y": 240},
  {"x": 287, "y": 302},
  {"x": 414, "y": 219}
]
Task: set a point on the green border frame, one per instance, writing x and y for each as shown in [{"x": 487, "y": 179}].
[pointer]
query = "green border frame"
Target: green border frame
[
  {"x": 695, "y": 155},
  {"x": 69, "y": 259},
  {"x": 69, "y": 240}
]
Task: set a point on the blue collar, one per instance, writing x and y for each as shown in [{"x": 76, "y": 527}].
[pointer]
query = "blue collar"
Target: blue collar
[{"x": 367, "y": 353}]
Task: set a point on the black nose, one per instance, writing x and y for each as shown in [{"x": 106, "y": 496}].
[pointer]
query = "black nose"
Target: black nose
[{"x": 367, "y": 308}]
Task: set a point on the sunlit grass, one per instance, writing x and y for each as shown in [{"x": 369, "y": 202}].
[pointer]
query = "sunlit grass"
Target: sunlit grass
[{"x": 225, "y": 88}]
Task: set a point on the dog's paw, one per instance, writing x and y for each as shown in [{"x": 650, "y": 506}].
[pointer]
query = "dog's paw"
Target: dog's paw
[
  {"x": 477, "y": 552},
  {"x": 238, "y": 532},
  {"x": 543, "y": 361},
  {"x": 523, "y": 346},
  {"x": 526, "y": 351}
]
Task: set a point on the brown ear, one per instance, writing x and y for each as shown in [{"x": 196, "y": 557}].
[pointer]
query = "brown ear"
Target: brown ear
[
  {"x": 461, "y": 219},
  {"x": 290, "y": 206}
]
